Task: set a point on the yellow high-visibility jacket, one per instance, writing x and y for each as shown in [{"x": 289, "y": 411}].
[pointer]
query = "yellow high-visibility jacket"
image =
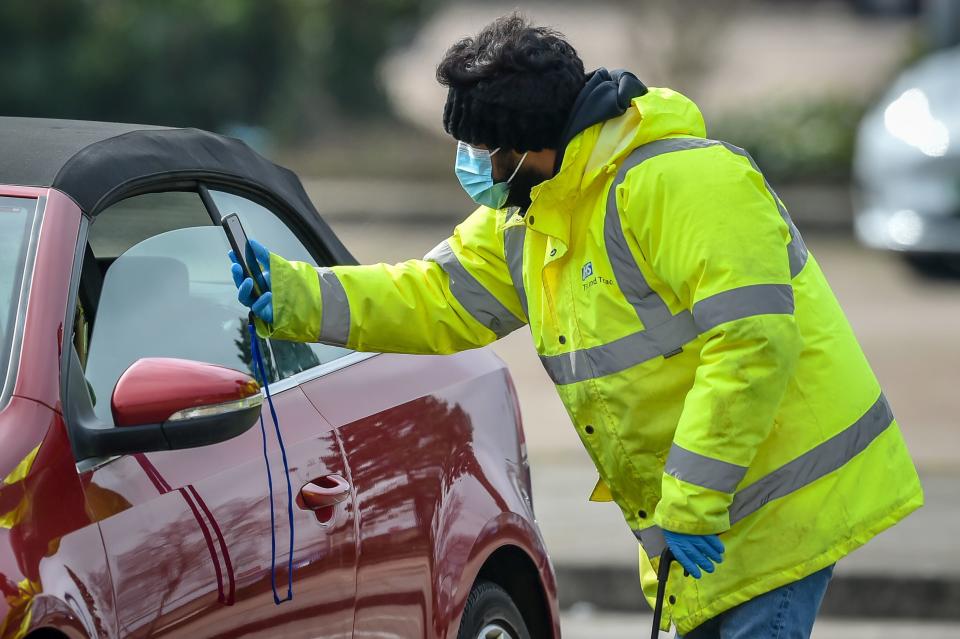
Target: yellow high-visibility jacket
[{"x": 705, "y": 363}]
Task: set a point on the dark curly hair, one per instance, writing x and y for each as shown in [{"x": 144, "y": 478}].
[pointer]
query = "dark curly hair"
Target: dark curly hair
[{"x": 511, "y": 86}]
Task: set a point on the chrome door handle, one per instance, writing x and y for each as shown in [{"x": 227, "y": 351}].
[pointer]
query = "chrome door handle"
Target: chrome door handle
[{"x": 323, "y": 492}]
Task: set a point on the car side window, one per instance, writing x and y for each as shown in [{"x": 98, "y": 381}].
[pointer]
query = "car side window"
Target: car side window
[
  {"x": 156, "y": 283},
  {"x": 262, "y": 225}
]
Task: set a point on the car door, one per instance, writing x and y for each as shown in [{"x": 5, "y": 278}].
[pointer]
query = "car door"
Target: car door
[
  {"x": 190, "y": 548},
  {"x": 420, "y": 432}
]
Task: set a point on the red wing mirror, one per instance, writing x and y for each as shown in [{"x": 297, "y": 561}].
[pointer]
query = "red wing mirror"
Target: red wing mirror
[{"x": 194, "y": 403}]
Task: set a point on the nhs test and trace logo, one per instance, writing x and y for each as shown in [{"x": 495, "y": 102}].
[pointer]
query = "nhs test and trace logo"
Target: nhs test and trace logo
[
  {"x": 591, "y": 279},
  {"x": 586, "y": 271}
]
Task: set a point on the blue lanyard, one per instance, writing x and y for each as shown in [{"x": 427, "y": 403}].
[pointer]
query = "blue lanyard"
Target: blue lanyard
[{"x": 255, "y": 350}]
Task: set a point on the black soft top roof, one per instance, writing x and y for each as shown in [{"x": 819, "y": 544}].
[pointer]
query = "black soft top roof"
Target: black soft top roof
[{"x": 99, "y": 163}]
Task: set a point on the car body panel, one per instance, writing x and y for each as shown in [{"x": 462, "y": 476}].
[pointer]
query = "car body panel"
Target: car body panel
[
  {"x": 194, "y": 541},
  {"x": 420, "y": 452},
  {"x": 52, "y": 563}
]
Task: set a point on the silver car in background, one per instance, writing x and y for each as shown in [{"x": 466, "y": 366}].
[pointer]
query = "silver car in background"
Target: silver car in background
[{"x": 907, "y": 167}]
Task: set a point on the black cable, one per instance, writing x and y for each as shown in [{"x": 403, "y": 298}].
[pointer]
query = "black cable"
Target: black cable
[{"x": 663, "y": 573}]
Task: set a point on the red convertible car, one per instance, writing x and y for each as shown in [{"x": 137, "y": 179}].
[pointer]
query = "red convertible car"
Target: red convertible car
[{"x": 134, "y": 496}]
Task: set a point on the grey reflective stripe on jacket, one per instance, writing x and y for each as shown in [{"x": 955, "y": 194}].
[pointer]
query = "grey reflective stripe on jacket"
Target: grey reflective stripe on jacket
[
  {"x": 815, "y": 463},
  {"x": 703, "y": 471},
  {"x": 513, "y": 238},
  {"x": 618, "y": 355},
  {"x": 335, "y": 322},
  {"x": 745, "y": 301},
  {"x": 668, "y": 338},
  {"x": 652, "y": 540},
  {"x": 819, "y": 461},
  {"x": 664, "y": 334},
  {"x": 650, "y": 307},
  {"x": 472, "y": 295}
]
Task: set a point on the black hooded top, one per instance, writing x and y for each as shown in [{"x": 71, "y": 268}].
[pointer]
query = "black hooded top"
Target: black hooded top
[{"x": 606, "y": 95}]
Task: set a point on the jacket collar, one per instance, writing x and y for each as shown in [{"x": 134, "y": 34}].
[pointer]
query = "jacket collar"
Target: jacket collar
[{"x": 596, "y": 150}]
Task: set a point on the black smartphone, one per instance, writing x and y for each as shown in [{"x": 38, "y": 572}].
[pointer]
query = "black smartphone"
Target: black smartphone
[{"x": 243, "y": 251}]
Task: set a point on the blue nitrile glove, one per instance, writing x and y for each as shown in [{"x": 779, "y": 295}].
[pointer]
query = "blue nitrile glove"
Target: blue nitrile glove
[
  {"x": 262, "y": 307},
  {"x": 695, "y": 551}
]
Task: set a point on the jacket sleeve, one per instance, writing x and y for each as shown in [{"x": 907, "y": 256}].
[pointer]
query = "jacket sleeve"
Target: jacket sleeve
[
  {"x": 712, "y": 232},
  {"x": 459, "y": 296}
]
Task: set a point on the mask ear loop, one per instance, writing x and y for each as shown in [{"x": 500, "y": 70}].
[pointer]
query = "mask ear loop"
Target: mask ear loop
[{"x": 516, "y": 170}]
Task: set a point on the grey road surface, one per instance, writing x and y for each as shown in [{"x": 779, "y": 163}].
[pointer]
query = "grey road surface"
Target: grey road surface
[{"x": 586, "y": 624}]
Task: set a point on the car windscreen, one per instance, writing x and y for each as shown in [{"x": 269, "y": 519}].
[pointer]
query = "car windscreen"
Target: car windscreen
[{"x": 16, "y": 222}]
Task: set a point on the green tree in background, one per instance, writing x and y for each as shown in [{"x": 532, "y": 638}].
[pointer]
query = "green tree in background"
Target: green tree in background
[{"x": 294, "y": 66}]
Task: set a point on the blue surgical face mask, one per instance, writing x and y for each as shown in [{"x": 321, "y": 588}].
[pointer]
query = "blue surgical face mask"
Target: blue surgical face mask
[{"x": 474, "y": 169}]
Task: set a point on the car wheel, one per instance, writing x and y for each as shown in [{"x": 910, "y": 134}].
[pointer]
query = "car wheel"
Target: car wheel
[{"x": 491, "y": 614}]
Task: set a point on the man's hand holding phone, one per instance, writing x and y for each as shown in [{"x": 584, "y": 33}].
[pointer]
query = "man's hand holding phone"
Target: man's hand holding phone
[{"x": 262, "y": 305}]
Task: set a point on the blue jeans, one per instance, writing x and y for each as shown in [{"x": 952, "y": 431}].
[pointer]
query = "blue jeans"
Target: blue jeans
[{"x": 785, "y": 613}]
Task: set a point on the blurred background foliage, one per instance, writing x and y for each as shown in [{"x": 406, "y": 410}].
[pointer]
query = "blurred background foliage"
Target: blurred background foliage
[
  {"x": 796, "y": 141},
  {"x": 213, "y": 64},
  {"x": 286, "y": 74}
]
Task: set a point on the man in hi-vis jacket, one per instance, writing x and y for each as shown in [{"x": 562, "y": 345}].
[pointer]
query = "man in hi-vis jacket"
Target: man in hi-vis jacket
[{"x": 704, "y": 361}]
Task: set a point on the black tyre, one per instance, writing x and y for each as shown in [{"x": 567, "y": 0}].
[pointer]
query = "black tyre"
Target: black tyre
[{"x": 491, "y": 614}]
